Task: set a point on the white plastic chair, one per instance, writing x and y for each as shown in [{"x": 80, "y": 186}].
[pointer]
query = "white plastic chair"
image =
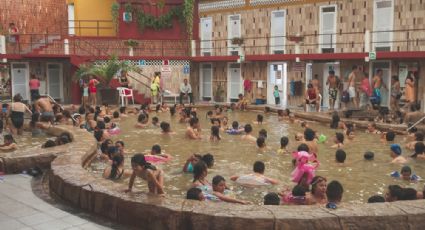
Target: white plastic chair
[{"x": 123, "y": 95}]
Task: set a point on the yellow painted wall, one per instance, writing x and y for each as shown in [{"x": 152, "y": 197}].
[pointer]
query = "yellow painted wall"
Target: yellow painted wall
[{"x": 89, "y": 15}]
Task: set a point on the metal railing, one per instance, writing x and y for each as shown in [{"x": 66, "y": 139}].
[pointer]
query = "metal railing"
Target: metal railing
[
  {"x": 91, "y": 28},
  {"x": 342, "y": 42}
]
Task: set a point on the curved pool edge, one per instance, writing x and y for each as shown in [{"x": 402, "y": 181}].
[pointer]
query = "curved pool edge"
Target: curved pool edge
[{"x": 73, "y": 183}]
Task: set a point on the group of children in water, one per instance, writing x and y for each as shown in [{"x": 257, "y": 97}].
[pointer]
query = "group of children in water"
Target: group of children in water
[{"x": 309, "y": 188}]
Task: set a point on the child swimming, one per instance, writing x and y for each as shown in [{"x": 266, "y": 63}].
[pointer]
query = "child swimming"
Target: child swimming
[
  {"x": 284, "y": 141},
  {"x": 146, "y": 171},
  {"x": 9, "y": 144},
  {"x": 405, "y": 174},
  {"x": 215, "y": 133},
  {"x": 194, "y": 129},
  {"x": 157, "y": 155},
  {"x": 396, "y": 154},
  {"x": 338, "y": 140},
  {"x": 248, "y": 136},
  {"x": 235, "y": 130},
  {"x": 256, "y": 178},
  {"x": 219, "y": 187},
  {"x": 195, "y": 194}
]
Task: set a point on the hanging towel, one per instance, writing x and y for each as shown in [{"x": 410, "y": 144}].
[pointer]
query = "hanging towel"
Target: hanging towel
[{"x": 260, "y": 84}]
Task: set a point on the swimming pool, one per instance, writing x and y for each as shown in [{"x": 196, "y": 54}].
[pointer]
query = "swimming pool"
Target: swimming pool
[
  {"x": 26, "y": 143},
  {"x": 361, "y": 179}
]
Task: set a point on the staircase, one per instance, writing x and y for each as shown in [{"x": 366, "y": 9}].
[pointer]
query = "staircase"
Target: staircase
[{"x": 139, "y": 83}]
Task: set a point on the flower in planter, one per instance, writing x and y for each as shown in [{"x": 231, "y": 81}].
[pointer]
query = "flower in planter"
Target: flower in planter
[{"x": 237, "y": 41}]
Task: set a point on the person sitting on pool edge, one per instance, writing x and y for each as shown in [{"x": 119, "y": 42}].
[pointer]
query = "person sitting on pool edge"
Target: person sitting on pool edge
[
  {"x": 242, "y": 103},
  {"x": 256, "y": 178},
  {"x": 149, "y": 173},
  {"x": 219, "y": 186},
  {"x": 334, "y": 193},
  {"x": 396, "y": 154}
]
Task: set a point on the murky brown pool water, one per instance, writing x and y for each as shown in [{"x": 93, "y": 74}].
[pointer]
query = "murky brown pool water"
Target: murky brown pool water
[{"x": 361, "y": 179}]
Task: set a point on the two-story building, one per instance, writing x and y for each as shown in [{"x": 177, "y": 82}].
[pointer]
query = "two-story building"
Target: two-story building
[{"x": 287, "y": 42}]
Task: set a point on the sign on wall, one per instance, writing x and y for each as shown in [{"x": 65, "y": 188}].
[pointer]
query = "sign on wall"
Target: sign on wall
[{"x": 186, "y": 69}]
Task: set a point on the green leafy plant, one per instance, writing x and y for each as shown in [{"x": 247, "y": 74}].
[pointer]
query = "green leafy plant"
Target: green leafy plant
[
  {"x": 237, "y": 41},
  {"x": 131, "y": 43},
  {"x": 188, "y": 6},
  {"x": 106, "y": 71},
  {"x": 115, "y": 12},
  {"x": 161, "y": 4},
  {"x": 164, "y": 21},
  {"x": 128, "y": 7}
]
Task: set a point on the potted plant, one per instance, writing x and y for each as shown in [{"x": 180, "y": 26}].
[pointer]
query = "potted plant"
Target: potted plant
[
  {"x": 128, "y": 13},
  {"x": 237, "y": 41},
  {"x": 131, "y": 44},
  {"x": 219, "y": 94},
  {"x": 105, "y": 73}
]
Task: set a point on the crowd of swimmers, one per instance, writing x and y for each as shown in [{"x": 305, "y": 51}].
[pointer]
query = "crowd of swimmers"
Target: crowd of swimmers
[{"x": 309, "y": 188}]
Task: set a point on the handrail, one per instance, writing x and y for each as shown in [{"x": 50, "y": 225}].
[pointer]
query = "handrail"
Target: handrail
[
  {"x": 417, "y": 123},
  {"x": 147, "y": 86}
]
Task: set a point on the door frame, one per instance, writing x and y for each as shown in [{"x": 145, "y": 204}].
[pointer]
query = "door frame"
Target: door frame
[
  {"x": 374, "y": 37},
  {"x": 27, "y": 79},
  {"x": 284, "y": 86},
  {"x": 71, "y": 22},
  {"x": 321, "y": 25},
  {"x": 372, "y": 73},
  {"x": 201, "y": 81},
  {"x": 229, "y": 82},
  {"x": 284, "y": 31},
  {"x": 60, "y": 79},
  {"x": 230, "y": 46}
]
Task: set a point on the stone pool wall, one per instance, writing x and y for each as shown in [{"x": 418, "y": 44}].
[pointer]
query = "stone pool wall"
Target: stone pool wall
[{"x": 70, "y": 181}]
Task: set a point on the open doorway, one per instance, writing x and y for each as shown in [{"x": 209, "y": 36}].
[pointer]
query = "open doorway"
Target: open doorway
[
  {"x": 321, "y": 71},
  {"x": 386, "y": 79},
  {"x": 277, "y": 76}
]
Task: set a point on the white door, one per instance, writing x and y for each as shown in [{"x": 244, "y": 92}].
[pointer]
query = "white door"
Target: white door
[
  {"x": 234, "y": 81},
  {"x": 325, "y": 97},
  {"x": 278, "y": 31},
  {"x": 20, "y": 80},
  {"x": 54, "y": 81},
  {"x": 386, "y": 80},
  {"x": 206, "y": 36},
  {"x": 308, "y": 73},
  {"x": 327, "y": 38},
  {"x": 71, "y": 18},
  {"x": 206, "y": 82},
  {"x": 383, "y": 19},
  {"x": 234, "y": 31},
  {"x": 277, "y": 77}
]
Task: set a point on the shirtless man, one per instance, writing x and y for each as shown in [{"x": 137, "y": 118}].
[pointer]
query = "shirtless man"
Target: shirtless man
[
  {"x": 333, "y": 89},
  {"x": 352, "y": 86},
  {"x": 315, "y": 82},
  {"x": 248, "y": 136},
  {"x": 44, "y": 107},
  {"x": 377, "y": 83},
  {"x": 194, "y": 129}
]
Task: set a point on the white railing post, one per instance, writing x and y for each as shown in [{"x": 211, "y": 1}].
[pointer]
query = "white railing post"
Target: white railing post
[
  {"x": 193, "y": 50},
  {"x": 367, "y": 41},
  {"x": 66, "y": 46},
  {"x": 3, "y": 46}
]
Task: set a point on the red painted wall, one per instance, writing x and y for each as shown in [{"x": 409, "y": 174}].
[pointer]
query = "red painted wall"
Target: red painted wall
[{"x": 131, "y": 30}]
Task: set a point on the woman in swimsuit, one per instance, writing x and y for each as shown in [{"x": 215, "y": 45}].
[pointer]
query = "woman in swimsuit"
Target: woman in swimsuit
[
  {"x": 148, "y": 172},
  {"x": 92, "y": 90},
  {"x": 116, "y": 171},
  {"x": 16, "y": 114}
]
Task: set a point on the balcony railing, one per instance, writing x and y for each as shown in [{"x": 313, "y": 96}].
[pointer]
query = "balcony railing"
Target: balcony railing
[
  {"x": 350, "y": 42},
  {"x": 343, "y": 42}
]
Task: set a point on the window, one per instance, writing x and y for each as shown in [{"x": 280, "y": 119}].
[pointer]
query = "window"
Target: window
[
  {"x": 327, "y": 36},
  {"x": 206, "y": 81}
]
